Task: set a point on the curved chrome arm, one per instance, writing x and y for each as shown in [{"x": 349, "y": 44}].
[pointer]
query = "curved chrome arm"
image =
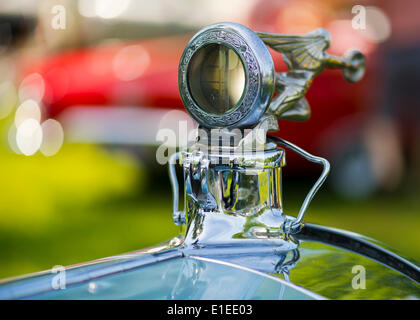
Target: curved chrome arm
[
  {"x": 294, "y": 225},
  {"x": 178, "y": 216}
]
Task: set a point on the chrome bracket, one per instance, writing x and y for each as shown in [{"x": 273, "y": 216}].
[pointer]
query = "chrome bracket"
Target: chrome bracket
[
  {"x": 294, "y": 225},
  {"x": 178, "y": 216}
]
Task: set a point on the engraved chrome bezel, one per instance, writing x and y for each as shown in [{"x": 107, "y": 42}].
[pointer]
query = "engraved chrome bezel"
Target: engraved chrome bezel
[{"x": 259, "y": 75}]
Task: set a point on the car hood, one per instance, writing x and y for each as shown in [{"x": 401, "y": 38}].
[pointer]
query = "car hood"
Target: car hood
[{"x": 325, "y": 265}]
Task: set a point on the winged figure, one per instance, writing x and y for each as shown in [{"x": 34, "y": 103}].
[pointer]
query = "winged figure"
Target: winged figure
[{"x": 305, "y": 57}]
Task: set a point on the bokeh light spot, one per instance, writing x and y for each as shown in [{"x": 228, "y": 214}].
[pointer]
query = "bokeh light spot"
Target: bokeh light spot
[
  {"x": 29, "y": 109},
  {"x": 131, "y": 62},
  {"x": 52, "y": 137},
  {"x": 32, "y": 87},
  {"x": 378, "y": 26},
  {"x": 8, "y": 98},
  {"x": 29, "y": 136},
  {"x": 106, "y": 9}
]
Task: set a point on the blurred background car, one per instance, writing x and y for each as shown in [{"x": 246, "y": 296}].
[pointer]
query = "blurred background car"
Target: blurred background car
[{"x": 86, "y": 85}]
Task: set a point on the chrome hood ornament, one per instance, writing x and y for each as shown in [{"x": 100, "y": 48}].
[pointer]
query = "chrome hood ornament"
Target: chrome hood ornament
[
  {"x": 227, "y": 77},
  {"x": 232, "y": 174}
]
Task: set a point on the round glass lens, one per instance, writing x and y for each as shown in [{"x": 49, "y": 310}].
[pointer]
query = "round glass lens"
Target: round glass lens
[{"x": 216, "y": 78}]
